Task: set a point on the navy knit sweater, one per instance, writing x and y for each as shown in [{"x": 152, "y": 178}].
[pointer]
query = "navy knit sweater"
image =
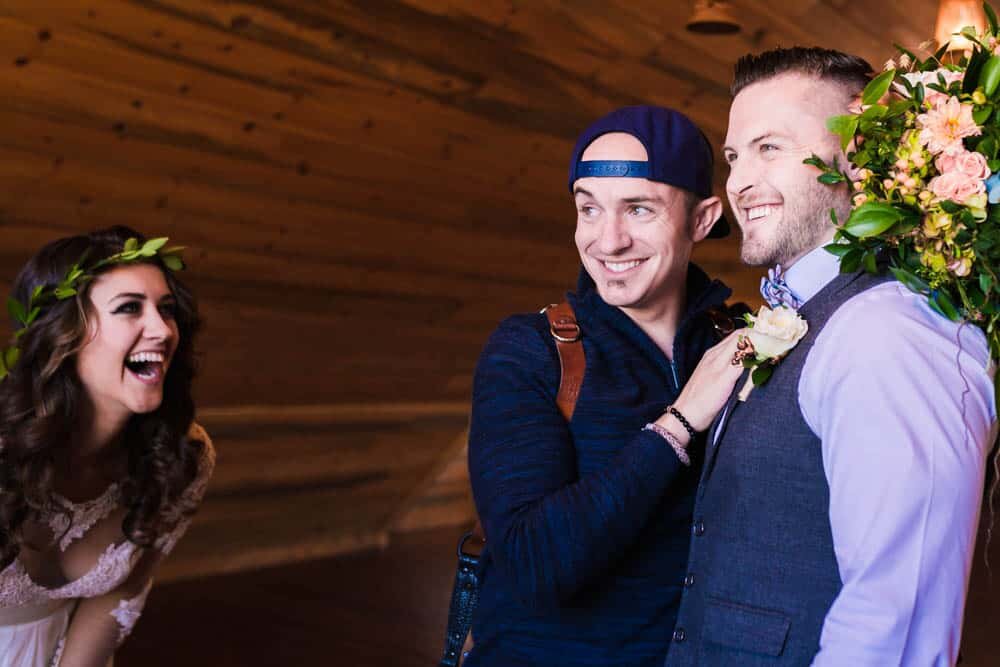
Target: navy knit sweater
[{"x": 587, "y": 523}]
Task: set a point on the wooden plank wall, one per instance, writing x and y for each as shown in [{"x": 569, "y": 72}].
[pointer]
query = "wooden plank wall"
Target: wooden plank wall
[{"x": 367, "y": 187}]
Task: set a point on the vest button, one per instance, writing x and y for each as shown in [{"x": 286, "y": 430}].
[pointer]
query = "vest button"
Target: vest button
[
  {"x": 699, "y": 529},
  {"x": 689, "y": 581},
  {"x": 679, "y": 635}
]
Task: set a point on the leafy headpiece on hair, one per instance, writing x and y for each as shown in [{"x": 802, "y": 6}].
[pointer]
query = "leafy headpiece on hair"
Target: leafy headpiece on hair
[{"x": 75, "y": 279}]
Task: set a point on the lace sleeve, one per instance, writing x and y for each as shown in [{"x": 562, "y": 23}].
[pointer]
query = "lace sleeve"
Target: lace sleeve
[
  {"x": 128, "y": 611},
  {"x": 195, "y": 491}
]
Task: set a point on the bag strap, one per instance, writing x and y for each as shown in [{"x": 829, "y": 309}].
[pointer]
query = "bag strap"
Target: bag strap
[
  {"x": 465, "y": 592},
  {"x": 572, "y": 363}
]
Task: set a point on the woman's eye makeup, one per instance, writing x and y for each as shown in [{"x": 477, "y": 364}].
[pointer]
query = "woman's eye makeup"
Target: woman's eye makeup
[{"x": 128, "y": 307}]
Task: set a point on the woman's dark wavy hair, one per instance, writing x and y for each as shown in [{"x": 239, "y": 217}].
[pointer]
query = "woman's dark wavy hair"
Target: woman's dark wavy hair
[{"x": 42, "y": 401}]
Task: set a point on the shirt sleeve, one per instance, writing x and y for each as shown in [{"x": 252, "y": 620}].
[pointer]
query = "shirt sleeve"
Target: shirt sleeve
[
  {"x": 549, "y": 531},
  {"x": 902, "y": 400}
]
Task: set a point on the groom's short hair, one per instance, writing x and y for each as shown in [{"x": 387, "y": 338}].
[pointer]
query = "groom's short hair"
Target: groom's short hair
[{"x": 852, "y": 71}]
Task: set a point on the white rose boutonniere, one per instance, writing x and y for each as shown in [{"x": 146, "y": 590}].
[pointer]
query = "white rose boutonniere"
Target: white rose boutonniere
[{"x": 770, "y": 335}]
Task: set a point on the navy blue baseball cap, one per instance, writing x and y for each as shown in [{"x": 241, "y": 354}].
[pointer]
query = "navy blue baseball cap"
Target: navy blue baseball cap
[{"x": 677, "y": 153}]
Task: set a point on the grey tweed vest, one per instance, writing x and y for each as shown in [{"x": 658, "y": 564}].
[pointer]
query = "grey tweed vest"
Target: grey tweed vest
[{"x": 762, "y": 572}]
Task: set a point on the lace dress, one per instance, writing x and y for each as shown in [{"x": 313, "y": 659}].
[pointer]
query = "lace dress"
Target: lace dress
[{"x": 36, "y": 608}]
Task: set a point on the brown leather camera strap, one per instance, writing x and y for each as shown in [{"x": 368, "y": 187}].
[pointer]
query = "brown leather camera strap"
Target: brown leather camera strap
[
  {"x": 572, "y": 364},
  {"x": 566, "y": 332},
  {"x": 465, "y": 592}
]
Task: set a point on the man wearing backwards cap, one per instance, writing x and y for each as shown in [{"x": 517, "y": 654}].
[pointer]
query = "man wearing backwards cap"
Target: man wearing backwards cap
[{"x": 588, "y": 522}]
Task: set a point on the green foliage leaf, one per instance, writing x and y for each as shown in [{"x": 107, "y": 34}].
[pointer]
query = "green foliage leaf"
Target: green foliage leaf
[
  {"x": 904, "y": 226},
  {"x": 32, "y": 316},
  {"x": 761, "y": 374},
  {"x": 948, "y": 206},
  {"x": 131, "y": 245},
  {"x": 976, "y": 297},
  {"x": 10, "y": 357},
  {"x": 838, "y": 249},
  {"x": 943, "y": 304},
  {"x": 851, "y": 260},
  {"x": 843, "y": 126},
  {"x": 815, "y": 160},
  {"x": 982, "y": 114},
  {"x": 861, "y": 158},
  {"x": 877, "y": 87},
  {"x": 985, "y": 282},
  {"x": 973, "y": 67},
  {"x": 869, "y": 262},
  {"x": 909, "y": 53},
  {"x": 991, "y": 17},
  {"x": 899, "y": 107},
  {"x": 871, "y": 219},
  {"x": 64, "y": 292},
  {"x": 988, "y": 147},
  {"x": 970, "y": 33},
  {"x": 831, "y": 178},
  {"x": 152, "y": 245},
  {"x": 16, "y": 310},
  {"x": 874, "y": 112},
  {"x": 173, "y": 262},
  {"x": 989, "y": 76},
  {"x": 913, "y": 282}
]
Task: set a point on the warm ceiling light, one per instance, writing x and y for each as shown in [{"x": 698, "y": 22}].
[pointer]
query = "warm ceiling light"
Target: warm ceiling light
[
  {"x": 953, "y": 15},
  {"x": 713, "y": 18}
]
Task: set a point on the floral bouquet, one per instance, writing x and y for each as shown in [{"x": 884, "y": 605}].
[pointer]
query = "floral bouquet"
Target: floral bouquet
[{"x": 924, "y": 138}]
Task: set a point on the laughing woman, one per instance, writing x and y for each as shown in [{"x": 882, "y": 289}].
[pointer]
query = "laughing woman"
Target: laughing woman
[{"x": 101, "y": 464}]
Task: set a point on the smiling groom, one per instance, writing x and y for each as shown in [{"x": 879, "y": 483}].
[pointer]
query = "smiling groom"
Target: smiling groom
[{"x": 836, "y": 516}]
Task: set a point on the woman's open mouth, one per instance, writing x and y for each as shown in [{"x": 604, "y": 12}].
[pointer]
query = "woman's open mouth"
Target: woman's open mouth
[{"x": 147, "y": 367}]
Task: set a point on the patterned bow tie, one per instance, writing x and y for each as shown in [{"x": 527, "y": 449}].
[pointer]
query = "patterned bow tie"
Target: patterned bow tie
[{"x": 776, "y": 291}]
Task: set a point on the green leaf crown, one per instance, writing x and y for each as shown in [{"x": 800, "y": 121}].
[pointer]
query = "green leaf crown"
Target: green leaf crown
[{"x": 76, "y": 278}]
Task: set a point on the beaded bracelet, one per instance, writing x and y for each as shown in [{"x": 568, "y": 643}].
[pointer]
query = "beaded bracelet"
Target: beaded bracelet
[
  {"x": 672, "y": 440},
  {"x": 684, "y": 422}
]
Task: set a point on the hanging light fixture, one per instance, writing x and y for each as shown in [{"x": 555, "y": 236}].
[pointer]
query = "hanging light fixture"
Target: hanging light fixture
[
  {"x": 953, "y": 15},
  {"x": 713, "y": 18}
]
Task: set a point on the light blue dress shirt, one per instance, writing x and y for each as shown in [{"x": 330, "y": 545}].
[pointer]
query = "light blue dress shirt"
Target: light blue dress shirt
[{"x": 902, "y": 401}]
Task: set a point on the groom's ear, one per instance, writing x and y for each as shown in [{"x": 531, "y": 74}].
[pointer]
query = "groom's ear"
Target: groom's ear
[{"x": 703, "y": 216}]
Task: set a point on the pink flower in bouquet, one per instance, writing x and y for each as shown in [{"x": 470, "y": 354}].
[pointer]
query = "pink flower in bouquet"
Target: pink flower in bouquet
[
  {"x": 930, "y": 95},
  {"x": 970, "y": 163},
  {"x": 944, "y": 126},
  {"x": 956, "y": 186}
]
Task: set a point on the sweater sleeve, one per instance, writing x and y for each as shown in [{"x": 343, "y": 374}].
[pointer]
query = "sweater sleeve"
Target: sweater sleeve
[{"x": 550, "y": 532}]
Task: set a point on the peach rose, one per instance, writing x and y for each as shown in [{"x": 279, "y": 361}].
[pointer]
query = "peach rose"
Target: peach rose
[
  {"x": 970, "y": 163},
  {"x": 956, "y": 186}
]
